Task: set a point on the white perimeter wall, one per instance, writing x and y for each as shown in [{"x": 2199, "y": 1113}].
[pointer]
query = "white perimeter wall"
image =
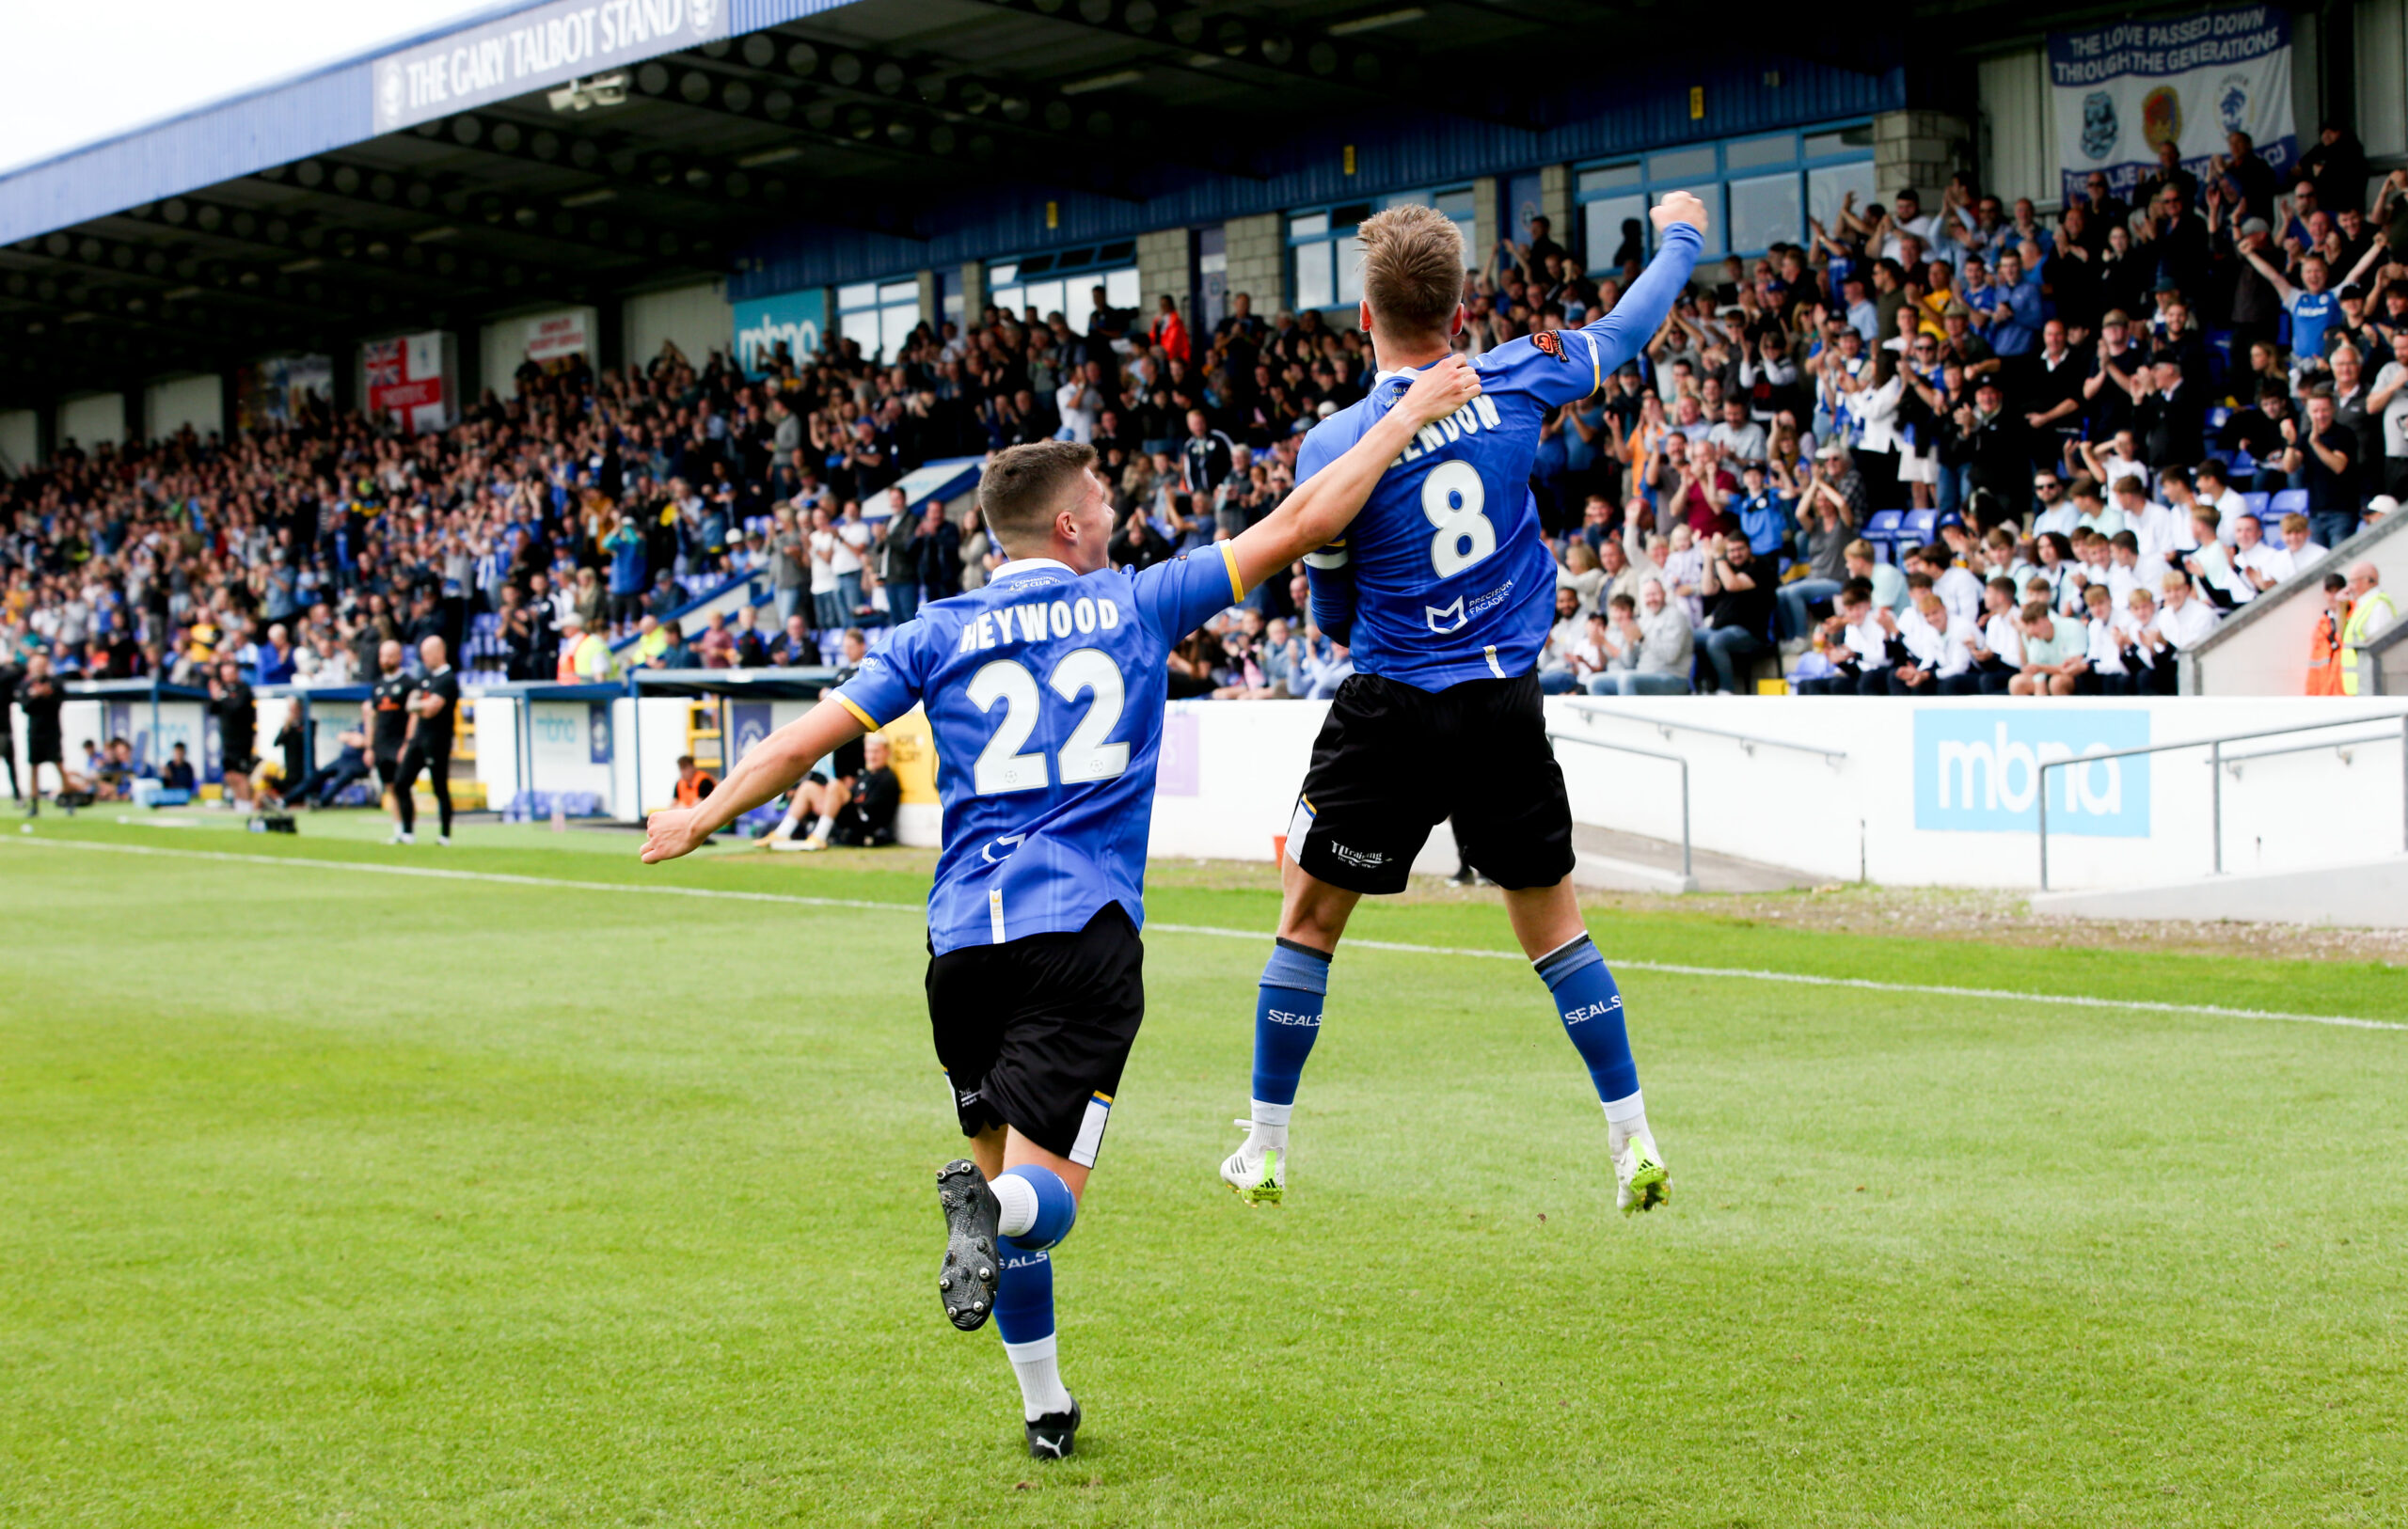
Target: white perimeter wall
[
  {"x": 1937, "y": 793},
  {"x": 1878, "y": 810},
  {"x": 697, "y": 318}
]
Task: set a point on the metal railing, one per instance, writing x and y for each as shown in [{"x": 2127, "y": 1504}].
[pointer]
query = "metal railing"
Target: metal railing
[
  {"x": 1747, "y": 741},
  {"x": 2216, "y": 762},
  {"x": 1647, "y": 753}
]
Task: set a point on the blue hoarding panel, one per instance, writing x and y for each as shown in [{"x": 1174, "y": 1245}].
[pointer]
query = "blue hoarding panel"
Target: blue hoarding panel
[{"x": 1977, "y": 770}]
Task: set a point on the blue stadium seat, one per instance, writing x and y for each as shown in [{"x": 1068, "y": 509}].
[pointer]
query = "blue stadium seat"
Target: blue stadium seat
[
  {"x": 1922, "y": 528},
  {"x": 1881, "y": 529},
  {"x": 2218, "y": 415},
  {"x": 2256, "y": 504},
  {"x": 2289, "y": 501}
]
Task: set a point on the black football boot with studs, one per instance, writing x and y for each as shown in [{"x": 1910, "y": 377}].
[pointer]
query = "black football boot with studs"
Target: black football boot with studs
[{"x": 971, "y": 1270}]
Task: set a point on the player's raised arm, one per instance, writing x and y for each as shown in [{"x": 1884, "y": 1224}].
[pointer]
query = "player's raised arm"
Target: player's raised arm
[
  {"x": 1321, "y": 507},
  {"x": 1680, "y": 225},
  {"x": 775, "y": 763}
]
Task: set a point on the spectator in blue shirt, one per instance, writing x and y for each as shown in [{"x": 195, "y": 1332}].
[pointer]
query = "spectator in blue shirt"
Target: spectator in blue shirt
[
  {"x": 1862, "y": 315},
  {"x": 276, "y": 657},
  {"x": 2015, "y": 327},
  {"x": 625, "y": 546},
  {"x": 1764, "y": 516}
]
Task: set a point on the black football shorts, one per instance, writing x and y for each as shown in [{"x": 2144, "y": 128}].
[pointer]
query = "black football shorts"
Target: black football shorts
[
  {"x": 1033, "y": 1032},
  {"x": 1392, "y": 761}
]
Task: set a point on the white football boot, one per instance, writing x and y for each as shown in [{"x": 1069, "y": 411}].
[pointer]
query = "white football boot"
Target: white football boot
[
  {"x": 1641, "y": 1180},
  {"x": 1257, "y": 1174}
]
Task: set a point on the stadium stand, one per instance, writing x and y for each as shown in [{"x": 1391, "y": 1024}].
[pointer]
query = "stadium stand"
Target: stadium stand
[{"x": 695, "y": 509}]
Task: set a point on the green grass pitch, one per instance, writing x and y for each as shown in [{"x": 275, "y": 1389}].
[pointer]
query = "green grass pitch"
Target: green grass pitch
[{"x": 342, "y": 1199}]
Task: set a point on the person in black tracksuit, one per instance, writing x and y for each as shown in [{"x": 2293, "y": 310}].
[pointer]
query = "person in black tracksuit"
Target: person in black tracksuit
[
  {"x": 434, "y": 697},
  {"x": 11, "y": 676},
  {"x": 387, "y": 713},
  {"x": 40, "y": 695},
  {"x": 237, "y": 712}
]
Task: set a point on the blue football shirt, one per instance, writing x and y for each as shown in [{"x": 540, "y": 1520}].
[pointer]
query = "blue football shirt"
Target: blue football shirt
[
  {"x": 2312, "y": 313},
  {"x": 1044, "y": 692},
  {"x": 1444, "y": 576}
]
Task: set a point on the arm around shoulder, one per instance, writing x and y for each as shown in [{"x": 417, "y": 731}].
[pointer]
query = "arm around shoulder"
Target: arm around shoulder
[{"x": 1320, "y": 508}]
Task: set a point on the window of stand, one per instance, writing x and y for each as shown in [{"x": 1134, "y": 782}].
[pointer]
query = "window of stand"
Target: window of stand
[
  {"x": 1325, "y": 260},
  {"x": 1059, "y": 282},
  {"x": 1758, "y": 190},
  {"x": 880, "y": 316}
]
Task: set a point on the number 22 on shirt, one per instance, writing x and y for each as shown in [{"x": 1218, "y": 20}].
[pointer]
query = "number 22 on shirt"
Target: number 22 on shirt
[{"x": 1084, "y": 755}]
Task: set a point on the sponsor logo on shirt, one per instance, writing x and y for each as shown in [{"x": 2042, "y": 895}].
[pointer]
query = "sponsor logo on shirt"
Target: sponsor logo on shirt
[
  {"x": 1456, "y": 616},
  {"x": 1548, "y": 343}
]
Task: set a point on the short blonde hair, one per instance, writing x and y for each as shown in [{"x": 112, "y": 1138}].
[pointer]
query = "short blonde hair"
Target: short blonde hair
[{"x": 1413, "y": 268}]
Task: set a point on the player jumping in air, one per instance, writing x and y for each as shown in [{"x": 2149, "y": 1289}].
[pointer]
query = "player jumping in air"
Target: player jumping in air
[
  {"x": 1044, "y": 692},
  {"x": 1446, "y": 591}
]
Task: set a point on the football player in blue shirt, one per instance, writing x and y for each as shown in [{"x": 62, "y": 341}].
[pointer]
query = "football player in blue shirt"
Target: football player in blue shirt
[
  {"x": 1045, "y": 692},
  {"x": 1445, "y": 589}
]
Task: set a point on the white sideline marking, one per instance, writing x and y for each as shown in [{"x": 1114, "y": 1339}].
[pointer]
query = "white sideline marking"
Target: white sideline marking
[{"x": 1217, "y": 932}]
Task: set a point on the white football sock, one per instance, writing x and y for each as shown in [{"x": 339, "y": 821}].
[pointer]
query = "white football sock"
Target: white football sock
[
  {"x": 1627, "y": 1111},
  {"x": 1040, "y": 1377},
  {"x": 1271, "y": 1125},
  {"x": 820, "y": 826},
  {"x": 1017, "y": 1197}
]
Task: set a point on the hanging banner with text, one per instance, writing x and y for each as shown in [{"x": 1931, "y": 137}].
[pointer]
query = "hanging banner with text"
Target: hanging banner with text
[
  {"x": 553, "y": 335},
  {"x": 2120, "y": 90},
  {"x": 406, "y": 379},
  {"x": 547, "y": 45}
]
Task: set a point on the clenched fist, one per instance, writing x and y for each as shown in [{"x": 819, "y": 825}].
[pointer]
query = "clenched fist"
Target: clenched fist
[{"x": 1679, "y": 207}]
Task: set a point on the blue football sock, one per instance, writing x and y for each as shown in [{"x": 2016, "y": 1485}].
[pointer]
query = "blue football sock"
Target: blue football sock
[
  {"x": 1024, "y": 1295},
  {"x": 1591, "y": 1004},
  {"x": 1287, "y": 1021},
  {"x": 1024, "y": 1320},
  {"x": 1039, "y": 1209}
]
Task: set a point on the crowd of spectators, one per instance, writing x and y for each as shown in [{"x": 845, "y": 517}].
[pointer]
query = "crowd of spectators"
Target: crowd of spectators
[
  {"x": 2110, "y": 427},
  {"x": 2169, "y": 403}
]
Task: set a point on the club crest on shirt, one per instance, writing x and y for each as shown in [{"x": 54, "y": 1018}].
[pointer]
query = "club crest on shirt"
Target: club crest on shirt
[{"x": 1549, "y": 343}]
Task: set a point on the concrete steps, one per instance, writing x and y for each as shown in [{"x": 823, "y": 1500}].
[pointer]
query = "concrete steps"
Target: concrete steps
[
  {"x": 2371, "y": 895},
  {"x": 1611, "y": 860}
]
